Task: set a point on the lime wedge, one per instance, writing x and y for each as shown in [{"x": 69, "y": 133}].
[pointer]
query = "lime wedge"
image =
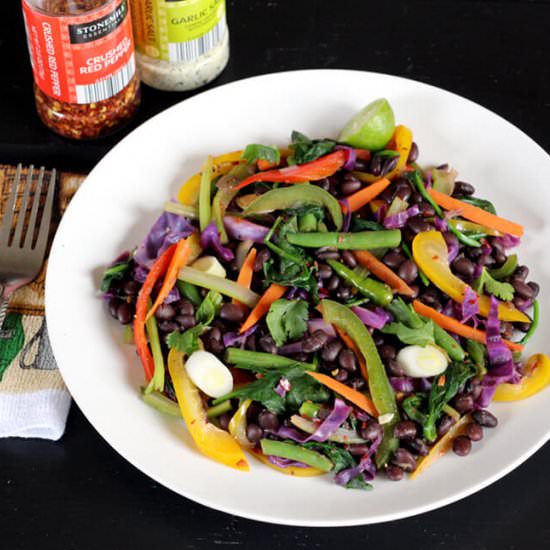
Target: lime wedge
[{"x": 371, "y": 128}]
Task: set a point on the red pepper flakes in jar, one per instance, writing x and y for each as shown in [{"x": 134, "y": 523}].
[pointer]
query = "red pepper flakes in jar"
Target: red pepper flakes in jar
[{"x": 83, "y": 60}]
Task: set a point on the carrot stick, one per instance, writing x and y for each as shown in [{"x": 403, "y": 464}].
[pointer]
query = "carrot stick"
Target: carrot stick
[
  {"x": 452, "y": 325},
  {"x": 383, "y": 272},
  {"x": 179, "y": 259},
  {"x": 272, "y": 294},
  {"x": 247, "y": 271},
  {"x": 365, "y": 195},
  {"x": 475, "y": 214},
  {"x": 357, "y": 398},
  {"x": 159, "y": 267},
  {"x": 351, "y": 345}
]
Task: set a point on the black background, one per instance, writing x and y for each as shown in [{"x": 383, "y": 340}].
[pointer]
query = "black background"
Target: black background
[{"x": 78, "y": 493}]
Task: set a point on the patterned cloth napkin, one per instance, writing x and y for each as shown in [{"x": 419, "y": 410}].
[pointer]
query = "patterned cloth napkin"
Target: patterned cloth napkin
[{"x": 34, "y": 401}]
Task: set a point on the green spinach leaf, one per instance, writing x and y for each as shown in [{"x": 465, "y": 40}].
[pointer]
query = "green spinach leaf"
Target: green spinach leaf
[
  {"x": 305, "y": 149},
  {"x": 255, "y": 151},
  {"x": 287, "y": 319}
]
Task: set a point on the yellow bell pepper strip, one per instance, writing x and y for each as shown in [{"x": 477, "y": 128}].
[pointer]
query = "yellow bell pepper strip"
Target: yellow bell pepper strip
[
  {"x": 237, "y": 424},
  {"x": 380, "y": 388},
  {"x": 290, "y": 470},
  {"x": 442, "y": 446},
  {"x": 536, "y": 378},
  {"x": 189, "y": 191},
  {"x": 318, "y": 169},
  {"x": 205, "y": 207},
  {"x": 142, "y": 304},
  {"x": 295, "y": 196},
  {"x": 476, "y": 214},
  {"x": 211, "y": 440},
  {"x": 431, "y": 255},
  {"x": 401, "y": 142}
]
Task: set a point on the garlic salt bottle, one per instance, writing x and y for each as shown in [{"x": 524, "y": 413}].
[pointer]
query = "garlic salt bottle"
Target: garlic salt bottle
[
  {"x": 84, "y": 67},
  {"x": 180, "y": 44}
]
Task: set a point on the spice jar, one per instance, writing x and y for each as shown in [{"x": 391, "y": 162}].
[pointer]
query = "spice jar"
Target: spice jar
[
  {"x": 83, "y": 60},
  {"x": 181, "y": 44}
]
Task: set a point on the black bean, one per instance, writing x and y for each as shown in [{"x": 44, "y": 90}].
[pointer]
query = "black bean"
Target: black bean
[
  {"x": 485, "y": 418},
  {"x": 534, "y": 287},
  {"x": 408, "y": 271},
  {"x": 430, "y": 296},
  {"x": 394, "y": 473},
  {"x": 254, "y": 433},
  {"x": 415, "y": 290},
  {"x": 523, "y": 327},
  {"x": 341, "y": 375},
  {"x": 387, "y": 352},
  {"x": 375, "y": 165},
  {"x": 215, "y": 334},
  {"x": 521, "y": 272},
  {"x": 445, "y": 424},
  {"x": 131, "y": 288},
  {"x": 520, "y": 303},
  {"x": 349, "y": 259},
  {"x": 404, "y": 459},
  {"x": 186, "y": 321},
  {"x": 371, "y": 431},
  {"x": 357, "y": 383},
  {"x": 523, "y": 289},
  {"x": 124, "y": 313},
  {"x": 394, "y": 368},
  {"x": 325, "y": 271},
  {"x": 361, "y": 165},
  {"x": 300, "y": 357},
  {"x": 393, "y": 259},
  {"x": 463, "y": 188},
  {"x": 463, "y": 403},
  {"x": 323, "y": 183},
  {"x": 486, "y": 260},
  {"x": 418, "y": 225},
  {"x": 268, "y": 420},
  {"x": 263, "y": 255},
  {"x": 497, "y": 246},
  {"x": 378, "y": 338},
  {"x": 267, "y": 344},
  {"x": 406, "y": 429},
  {"x": 413, "y": 153},
  {"x": 418, "y": 446},
  {"x": 213, "y": 346},
  {"x": 358, "y": 449},
  {"x": 250, "y": 342},
  {"x": 168, "y": 326},
  {"x": 329, "y": 255},
  {"x": 314, "y": 342},
  {"x": 333, "y": 283},
  {"x": 184, "y": 307},
  {"x": 386, "y": 195},
  {"x": 350, "y": 187},
  {"x": 113, "y": 306},
  {"x": 389, "y": 164},
  {"x": 331, "y": 350},
  {"x": 463, "y": 266},
  {"x": 499, "y": 257},
  {"x": 224, "y": 420},
  {"x": 232, "y": 312},
  {"x": 253, "y": 412},
  {"x": 427, "y": 210},
  {"x": 343, "y": 293},
  {"x": 474, "y": 431},
  {"x": 462, "y": 445},
  {"x": 403, "y": 191},
  {"x": 416, "y": 198},
  {"x": 165, "y": 312},
  {"x": 474, "y": 252},
  {"x": 347, "y": 360}
]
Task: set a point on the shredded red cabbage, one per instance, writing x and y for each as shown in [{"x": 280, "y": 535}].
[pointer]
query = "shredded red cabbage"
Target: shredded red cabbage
[
  {"x": 210, "y": 238},
  {"x": 347, "y": 215},
  {"x": 232, "y": 338},
  {"x": 281, "y": 462},
  {"x": 470, "y": 305},
  {"x": 423, "y": 385},
  {"x": 319, "y": 324},
  {"x": 440, "y": 225},
  {"x": 452, "y": 251},
  {"x": 375, "y": 318},
  {"x": 402, "y": 383},
  {"x": 283, "y": 387},
  {"x": 351, "y": 156},
  {"x": 508, "y": 241},
  {"x": 332, "y": 422},
  {"x": 168, "y": 229},
  {"x": 397, "y": 221},
  {"x": 366, "y": 468},
  {"x": 380, "y": 214},
  {"x": 243, "y": 230}
]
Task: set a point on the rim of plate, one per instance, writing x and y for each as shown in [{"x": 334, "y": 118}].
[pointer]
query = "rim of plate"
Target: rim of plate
[{"x": 61, "y": 359}]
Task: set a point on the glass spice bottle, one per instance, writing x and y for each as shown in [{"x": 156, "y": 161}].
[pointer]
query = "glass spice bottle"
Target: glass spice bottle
[
  {"x": 180, "y": 44},
  {"x": 83, "y": 60}
]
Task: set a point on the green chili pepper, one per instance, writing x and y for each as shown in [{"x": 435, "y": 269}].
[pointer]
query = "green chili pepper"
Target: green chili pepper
[
  {"x": 295, "y": 452},
  {"x": 363, "y": 240},
  {"x": 205, "y": 193},
  {"x": 534, "y": 323},
  {"x": 506, "y": 269},
  {"x": 295, "y": 196},
  {"x": 189, "y": 291},
  {"x": 446, "y": 342},
  {"x": 309, "y": 409},
  {"x": 218, "y": 410},
  {"x": 380, "y": 389},
  {"x": 380, "y": 293},
  {"x": 238, "y": 356}
]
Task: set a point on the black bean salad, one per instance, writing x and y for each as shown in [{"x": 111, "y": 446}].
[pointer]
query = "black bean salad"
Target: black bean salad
[{"x": 330, "y": 306}]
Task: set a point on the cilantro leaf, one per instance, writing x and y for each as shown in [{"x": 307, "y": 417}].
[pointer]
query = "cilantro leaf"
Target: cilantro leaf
[
  {"x": 503, "y": 291},
  {"x": 115, "y": 272},
  {"x": 421, "y": 336},
  {"x": 307, "y": 150},
  {"x": 359, "y": 224},
  {"x": 187, "y": 342},
  {"x": 358, "y": 482},
  {"x": 287, "y": 319},
  {"x": 255, "y": 151},
  {"x": 209, "y": 308}
]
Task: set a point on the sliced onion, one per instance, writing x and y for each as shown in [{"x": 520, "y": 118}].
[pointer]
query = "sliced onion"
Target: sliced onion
[
  {"x": 376, "y": 318},
  {"x": 397, "y": 221}
]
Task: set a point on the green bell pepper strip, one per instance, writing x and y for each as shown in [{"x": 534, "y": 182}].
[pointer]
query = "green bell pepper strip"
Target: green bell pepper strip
[
  {"x": 238, "y": 356},
  {"x": 157, "y": 381},
  {"x": 380, "y": 389},
  {"x": 476, "y": 351},
  {"x": 189, "y": 291},
  {"x": 291, "y": 451},
  {"x": 446, "y": 342},
  {"x": 534, "y": 324},
  {"x": 308, "y": 409},
  {"x": 161, "y": 403},
  {"x": 379, "y": 293},
  {"x": 307, "y": 223},
  {"x": 506, "y": 269},
  {"x": 296, "y": 196},
  {"x": 218, "y": 410},
  {"x": 205, "y": 192},
  {"x": 363, "y": 240}
]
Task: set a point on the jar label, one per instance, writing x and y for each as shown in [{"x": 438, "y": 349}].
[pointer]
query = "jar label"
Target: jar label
[
  {"x": 81, "y": 58},
  {"x": 178, "y": 30}
]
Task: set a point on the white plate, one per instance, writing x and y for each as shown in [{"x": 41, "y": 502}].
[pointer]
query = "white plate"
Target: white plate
[{"x": 125, "y": 192}]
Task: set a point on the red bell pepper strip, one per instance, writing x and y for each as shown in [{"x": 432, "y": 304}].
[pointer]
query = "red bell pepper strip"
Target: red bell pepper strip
[
  {"x": 323, "y": 167},
  {"x": 158, "y": 269}
]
